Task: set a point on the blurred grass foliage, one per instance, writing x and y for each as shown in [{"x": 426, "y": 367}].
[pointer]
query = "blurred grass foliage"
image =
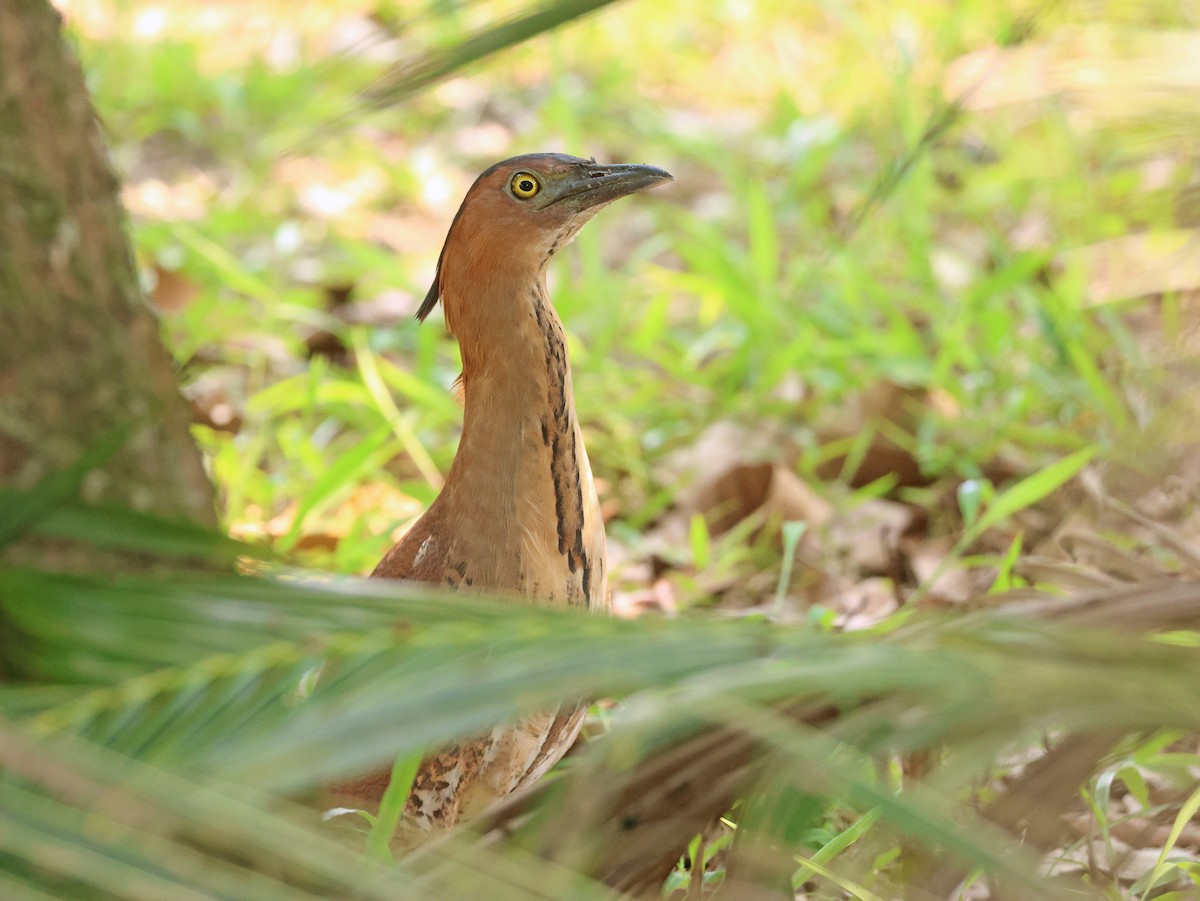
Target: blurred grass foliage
[
  {"x": 260, "y": 171},
  {"x": 867, "y": 193},
  {"x": 153, "y": 702}
]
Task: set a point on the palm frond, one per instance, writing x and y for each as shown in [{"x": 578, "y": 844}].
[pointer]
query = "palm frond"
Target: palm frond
[
  {"x": 227, "y": 664},
  {"x": 83, "y": 822},
  {"x": 404, "y": 79}
]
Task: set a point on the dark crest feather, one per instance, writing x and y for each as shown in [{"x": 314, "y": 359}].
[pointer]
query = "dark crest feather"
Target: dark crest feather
[{"x": 435, "y": 291}]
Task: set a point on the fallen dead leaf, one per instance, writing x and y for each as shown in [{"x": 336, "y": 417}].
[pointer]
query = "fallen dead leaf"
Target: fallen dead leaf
[
  {"x": 1138, "y": 832},
  {"x": 1139, "y": 265},
  {"x": 172, "y": 290},
  {"x": 1114, "y": 858},
  {"x": 217, "y": 398},
  {"x": 725, "y": 478},
  {"x": 719, "y": 448},
  {"x": 377, "y": 507},
  {"x": 770, "y": 489},
  {"x": 883, "y": 458},
  {"x": 1097, "y": 72},
  {"x": 863, "y": 604},
  {"x": 925, "y": 557},
  {"x": 658, "y": 598},
  {"x": 866, "y": 538}
]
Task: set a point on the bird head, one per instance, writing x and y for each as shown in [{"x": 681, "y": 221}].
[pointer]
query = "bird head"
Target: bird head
[{"x": 516, "y": 215}]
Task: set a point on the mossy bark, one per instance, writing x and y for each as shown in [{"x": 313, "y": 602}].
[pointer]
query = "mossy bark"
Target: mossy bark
[{"x": 80, "y": 352}]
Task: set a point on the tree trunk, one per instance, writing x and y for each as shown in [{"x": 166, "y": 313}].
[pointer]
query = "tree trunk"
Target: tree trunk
[{"x": 80, "y": 353}]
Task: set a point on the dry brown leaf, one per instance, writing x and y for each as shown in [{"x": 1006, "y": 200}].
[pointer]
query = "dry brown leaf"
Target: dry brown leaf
[
  {"x": 925, "y": 557},
  {"x": 721, "y": 447},
  {"x": 1139, "y": 265},
  {"x": 883, "y": 402},
  {"x": 864, "y": 604},
  {"x": 866, "y": 538},
  {"x": 768, "y": 489},
  {"x": 1102, "y": 74},
  {"x": 1138, "y": 832},
  {"x": 172, "y": 290},
  {"x": 1046, "y": 571},
  {"x": 375, "y": 506},
  {"x": 256, "y": 524},
  {"x": 317, "y": 541},
  {"x": 217, "y": 398},
  {"x": 1101, "y": 555},
  {"x": 1114, "y": 857},
  {"x": 728, "y": 476},
  {"x": 883, "y": 458},
  {"x": 658, "y": 598}
]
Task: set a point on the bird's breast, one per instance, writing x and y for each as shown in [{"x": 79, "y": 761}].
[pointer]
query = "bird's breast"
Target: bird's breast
[{"x": 534, "y": 531}]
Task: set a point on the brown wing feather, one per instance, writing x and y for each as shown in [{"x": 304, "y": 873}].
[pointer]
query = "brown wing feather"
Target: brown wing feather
[
  {"x": 418, "y": 556},
  {"x": 405, "y": 560}
]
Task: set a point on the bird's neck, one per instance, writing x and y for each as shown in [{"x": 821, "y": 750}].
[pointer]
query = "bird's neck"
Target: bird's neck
[
  {"x": 517, "y": 394},
  {"x": 521, "y": 474}
]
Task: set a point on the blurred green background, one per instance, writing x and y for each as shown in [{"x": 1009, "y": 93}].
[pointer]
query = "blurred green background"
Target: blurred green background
[
  {"x": 916, "y": 323},
  {"x": 890, "y": 222}
]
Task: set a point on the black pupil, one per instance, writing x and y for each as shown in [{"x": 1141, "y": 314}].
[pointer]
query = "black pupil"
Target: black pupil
[{"x": 525, "y": 185}]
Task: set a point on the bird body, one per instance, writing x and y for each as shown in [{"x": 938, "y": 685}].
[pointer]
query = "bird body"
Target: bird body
[
  {"x": 518, "y": 512},
  {"x": 518, "y": 515}
]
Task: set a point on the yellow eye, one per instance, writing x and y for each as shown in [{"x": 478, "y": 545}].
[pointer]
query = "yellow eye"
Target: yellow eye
[{"x": 524, "y": 185}]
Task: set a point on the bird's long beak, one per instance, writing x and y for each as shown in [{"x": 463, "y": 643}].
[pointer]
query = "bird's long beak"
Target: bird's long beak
[{"x": 600, "y": 184}]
